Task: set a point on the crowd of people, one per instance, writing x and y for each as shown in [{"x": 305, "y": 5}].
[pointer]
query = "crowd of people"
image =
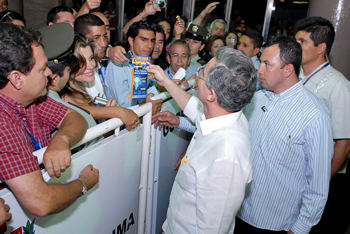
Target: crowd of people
[{"x": 270, "y": 136}]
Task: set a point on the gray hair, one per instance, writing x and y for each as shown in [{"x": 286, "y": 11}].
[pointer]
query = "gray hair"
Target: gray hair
[
  {"x": 233, "y": 78},
  {"x": 217, "y": 20},
  {"x": 179, "y": 42}
]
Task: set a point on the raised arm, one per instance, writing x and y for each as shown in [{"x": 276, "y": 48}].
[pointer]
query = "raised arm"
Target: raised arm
[
  {"x": 70, "y": 131},
  {"x": 198, "y": 20},
  {"x": 149, "y": 10},
  {"x": 180, "y": 96},
  {"x": 88, "y": 5}
]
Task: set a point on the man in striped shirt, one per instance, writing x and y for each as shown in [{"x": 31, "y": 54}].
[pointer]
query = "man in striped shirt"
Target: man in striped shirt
[{"x": 292, "y": 146}]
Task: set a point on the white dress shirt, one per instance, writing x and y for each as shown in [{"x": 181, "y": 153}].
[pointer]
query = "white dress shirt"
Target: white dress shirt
[{"x": 210, "y": 184}]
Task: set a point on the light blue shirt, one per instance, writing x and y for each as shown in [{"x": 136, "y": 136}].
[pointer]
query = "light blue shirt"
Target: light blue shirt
[
  {"x": 292, "y": 147},
  {"x": 187, "y": 125},
  {"x": 118, "y": 83}
]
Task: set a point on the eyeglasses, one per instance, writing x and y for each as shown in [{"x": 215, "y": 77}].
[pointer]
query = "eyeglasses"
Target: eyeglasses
[
  {"x": 200, "y": 73},
  {"x": 177, "y": 56},
  {"x": 5, "y": 16}
]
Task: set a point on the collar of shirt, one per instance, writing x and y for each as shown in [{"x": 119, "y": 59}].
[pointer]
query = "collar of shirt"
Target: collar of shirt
[
  {"x": 285, "y": 95},
  {"x": 195, "y": 59},
  {"x": 314, "y": 79},
  {"x": 255, "y": 58},
  {"x": 210, "y": 125},
  {"x": 10, "y": 103},
  {"x": 168, "y": 72}
]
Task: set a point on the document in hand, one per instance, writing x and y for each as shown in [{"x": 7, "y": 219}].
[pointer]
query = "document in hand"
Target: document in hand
[{"x": 139, "y": 77}]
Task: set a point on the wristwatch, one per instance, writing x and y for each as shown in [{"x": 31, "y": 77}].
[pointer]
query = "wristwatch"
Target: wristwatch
[{"x": 84, "y": 190}]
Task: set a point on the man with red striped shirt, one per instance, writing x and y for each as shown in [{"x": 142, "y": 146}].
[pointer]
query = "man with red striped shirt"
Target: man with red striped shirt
[{"x": 27, "y": 118}]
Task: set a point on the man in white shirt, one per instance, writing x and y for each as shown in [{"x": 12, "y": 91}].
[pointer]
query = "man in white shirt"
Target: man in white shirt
[
  {"x": 316, "y": 36},
  {"x": 210, "y": 185}
]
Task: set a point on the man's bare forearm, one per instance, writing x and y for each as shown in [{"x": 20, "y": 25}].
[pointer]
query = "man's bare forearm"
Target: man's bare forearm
[
  {"x": 40, "y": 198},
  {"x": 72, "y": 128},
  {"x": 180, "y": 96},
  {"x": 341, "y": 150}
]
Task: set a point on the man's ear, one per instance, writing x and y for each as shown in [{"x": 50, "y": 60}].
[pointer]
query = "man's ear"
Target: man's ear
[
  {"x": 131, "y": 41},
  {"x": 322, "y": 48},
  {"x": 54, "y": 79},
  {"x": 50, "y": 23},
  {"x": 168, "y": 58},
  {"x": 16, "y": 78},
  {"x": 256, "y": 51},
  {"x": 212, "y": 96},
  {"x": 202, "y": 47},
  {"x": 288, "y": 70}
]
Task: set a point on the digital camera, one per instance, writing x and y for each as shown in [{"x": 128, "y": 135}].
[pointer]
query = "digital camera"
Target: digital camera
[{"x": 159, "y": 4}]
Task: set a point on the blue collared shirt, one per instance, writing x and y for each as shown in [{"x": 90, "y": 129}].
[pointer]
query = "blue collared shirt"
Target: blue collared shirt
[
  {"x": 118, "y": 83},
  {"x": 292, "y": 147}
]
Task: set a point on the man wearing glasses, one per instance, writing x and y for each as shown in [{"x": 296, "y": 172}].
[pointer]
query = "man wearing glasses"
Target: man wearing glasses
[
  {"x": 179, "y": 56},
  {"x": 210, "y": 184}
]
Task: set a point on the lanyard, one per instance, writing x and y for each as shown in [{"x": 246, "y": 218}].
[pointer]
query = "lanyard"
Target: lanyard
[
  {"x": 102, "y": 76},
  {"x": 35, "y": 143},
  {"x": 316, "y": 72}
]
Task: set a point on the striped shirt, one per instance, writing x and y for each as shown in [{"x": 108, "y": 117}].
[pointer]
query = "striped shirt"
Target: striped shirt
[
  {"x": 186, "y": 125},
  {"x": 291, "y": 137}
]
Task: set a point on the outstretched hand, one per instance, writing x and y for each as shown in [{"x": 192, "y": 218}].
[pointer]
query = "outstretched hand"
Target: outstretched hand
[
  {"x": 210, "y": 7},
  {"x": 149, "y": 10},
  {"x": 155, "y": 72},
  {"x": 166, "y": 119},
  {"x": 92, "y": 4}
]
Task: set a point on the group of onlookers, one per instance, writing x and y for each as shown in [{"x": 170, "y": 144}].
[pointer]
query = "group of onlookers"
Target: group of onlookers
[{"x": 270, "y": 140}]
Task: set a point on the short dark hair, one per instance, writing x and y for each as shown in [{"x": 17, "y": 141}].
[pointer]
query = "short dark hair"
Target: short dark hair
[
  {"x": 290, "y": 51},
  {"x": 321, "y": 30},
  {"x": 135, "y": 28},
  {"x": 82, "y": 23},
  {"x": 16, "y": 50},
  {"x": 52, "y": 15},
  {"x": 255, "y": 37},
  {"x": 10, "y": 16},
  {"x": 58, "y": 69}
]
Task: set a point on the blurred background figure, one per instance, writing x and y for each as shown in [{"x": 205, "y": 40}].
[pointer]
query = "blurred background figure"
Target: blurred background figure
[
  {"x": 212, "y": 44},
  {"x": 4, "y": 6},
  {"x": 231, "y": 39},
  {"x": 110, "y": 14}
]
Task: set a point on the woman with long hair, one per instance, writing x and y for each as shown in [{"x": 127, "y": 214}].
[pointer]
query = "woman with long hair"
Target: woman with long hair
[{"x": 74, "y": 92}]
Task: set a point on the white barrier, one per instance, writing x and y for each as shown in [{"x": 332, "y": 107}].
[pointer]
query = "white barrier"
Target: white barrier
[{"x": 117, "y": 203}]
